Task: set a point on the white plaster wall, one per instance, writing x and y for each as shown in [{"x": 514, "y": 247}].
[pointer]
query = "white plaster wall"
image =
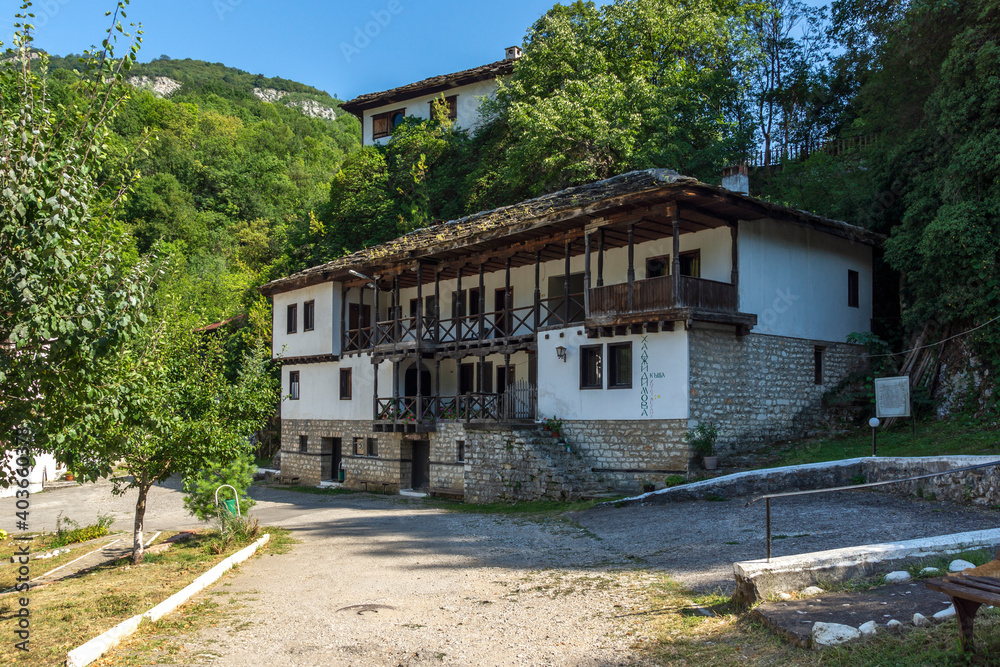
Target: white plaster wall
[
  {"x": 45, "y": 469},
  {"x": 666, "y": 382},
  {"x": 324, "y": 339},
  {"x": 795, "y": 280},
  {"x": 470, "y": 97}
]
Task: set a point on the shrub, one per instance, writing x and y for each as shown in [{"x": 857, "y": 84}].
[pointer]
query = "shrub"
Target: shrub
[
  {"x": 77, "y": 534},
  {"x": 702, "y": 438},
  {"x": 200, "y": 488}
]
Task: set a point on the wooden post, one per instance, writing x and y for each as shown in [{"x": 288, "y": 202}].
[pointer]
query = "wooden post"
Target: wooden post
[
  {"x": 631, "y": 268},
  {"x": 375, "y": 315},
  {"x": 437, "y": 306},
  {"x": 418, "y": 417},
  {"x": 507, "y": 302},
  {"x": 675, "y": 271},
  {"x": 345, "y": 338},
  {"x": 482, "y": 301},
  {"x": 538, "y": 290},
  {"x": 481, "y": 385},
  {"x": 437, "y": 387},
  {"x": 503, "y": 409},
  {"x": 566, "y": 287},
  {"x": 375, "y": 390},
  {"x": 600, "y": 259},
  {"x": 460, "y": 308},
  {"x": 395, "y": 392},
  {"x": 396, "y": 310},
  {"x": 586, "y": 276},
  {"x": 361, "y": 316}
]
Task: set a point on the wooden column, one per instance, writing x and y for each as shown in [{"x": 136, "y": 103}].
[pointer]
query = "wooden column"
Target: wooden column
[
  {"x": 631, "y": 268},
  {"x": 566, "y": 287},
  {"x": 437, "y": 305},
  {"x": 507, "y": 302},
  {"x": 396, "y": 310},
  {"x": 344, "y": 337},
  {"x": 375, "y": 390},
  {"x": 460, "y": 307},
  {"x": 395, "y": 392},
  {"x": 503, "y": 409},
  {"x": 734, "y": 232},
  {"x": 538, "y": 290},
  {"x": 362, "y": 323},
  {"x": 482, "y": 301},
  {"x": 675, "y": 271},
  {"x": 600, "y": 259},
  {"x": 586, "y": 276},
  {"x": 420, "y": 342},
  {"x": 482, "y": 372},
  {"x": 437, "y": 387},
  {"x": 375, "y": 315}
]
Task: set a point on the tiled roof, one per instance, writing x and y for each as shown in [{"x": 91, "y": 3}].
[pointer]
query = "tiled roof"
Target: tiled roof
[{"x": 429, "y": 86}]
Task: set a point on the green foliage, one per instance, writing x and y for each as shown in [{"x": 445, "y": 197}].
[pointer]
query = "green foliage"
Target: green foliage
[
  {"x": 75, "y": 533},
  {"x": 71, "y": 293},
  {"x": 702, "y": 438},
  {"x": 200, "y": 487},
  {"x": 674, "y": 480}
]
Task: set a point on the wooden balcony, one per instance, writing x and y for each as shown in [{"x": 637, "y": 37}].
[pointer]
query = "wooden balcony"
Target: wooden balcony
[
  {"x": 420, "y": 414},
  {"x": 654, "y": 299}
]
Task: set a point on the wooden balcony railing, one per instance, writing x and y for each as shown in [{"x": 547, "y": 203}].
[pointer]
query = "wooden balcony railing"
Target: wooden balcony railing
[
  {"x": 518, "y": 402},
  {"x": 657, "y": 294}
]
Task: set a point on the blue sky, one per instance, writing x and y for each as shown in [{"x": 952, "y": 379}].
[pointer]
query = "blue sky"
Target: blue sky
[{"x": 302, "y": 40}]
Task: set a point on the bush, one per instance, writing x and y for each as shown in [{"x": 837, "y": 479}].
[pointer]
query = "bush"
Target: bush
[
  {"x": 674, "y": 480},
  {"x": 77, "y": 534},
  {"x": 200, "y": 488},
  {"x": 702, "y": 438}
]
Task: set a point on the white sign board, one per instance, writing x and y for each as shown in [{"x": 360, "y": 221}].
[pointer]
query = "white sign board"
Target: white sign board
[{"x": 892, "y": 397}]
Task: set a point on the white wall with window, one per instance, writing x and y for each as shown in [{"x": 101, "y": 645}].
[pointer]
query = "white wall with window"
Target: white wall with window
[
  {"x": 292, "y": 336},
  {"x": 803, "y": 283},
  {"x": 654, "y": 386}
]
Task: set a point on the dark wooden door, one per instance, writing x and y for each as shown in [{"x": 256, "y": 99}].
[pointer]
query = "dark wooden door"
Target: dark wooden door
[
  {"x": 358, "y": 318},
  {"x": 410, "y": 389},
  {"x": 421, "y": 466}
]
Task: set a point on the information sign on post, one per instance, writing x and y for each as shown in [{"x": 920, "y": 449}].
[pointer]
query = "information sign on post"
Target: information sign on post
[{"x": 892, "y": 397}]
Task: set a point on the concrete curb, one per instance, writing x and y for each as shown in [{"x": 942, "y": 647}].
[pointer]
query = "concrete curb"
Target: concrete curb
[
  {"x": 760, "y": 579},
  {"x": 98, "y": 646}
]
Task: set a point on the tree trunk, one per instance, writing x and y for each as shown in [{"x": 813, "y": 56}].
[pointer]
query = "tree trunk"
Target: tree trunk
[{"x": 140, "y": 513}]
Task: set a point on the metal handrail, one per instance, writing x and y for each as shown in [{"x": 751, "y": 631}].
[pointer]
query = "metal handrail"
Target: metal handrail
[{"x": 854, "y": 487}]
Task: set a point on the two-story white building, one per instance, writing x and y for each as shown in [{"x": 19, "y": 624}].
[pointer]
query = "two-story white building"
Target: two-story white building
[
  {"x": 463, "y": 93},
  {"x": 632, "y": 309}
]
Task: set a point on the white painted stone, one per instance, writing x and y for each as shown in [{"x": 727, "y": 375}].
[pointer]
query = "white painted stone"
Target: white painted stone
[
  {"x": 831, "y": 634},
  {"x": 930, "y": 571},
  {"x": 894, "y": 625},
  {"x": 921, "y": 621},
  {"x": 785, "y": 596},
  {"x": 868, "y": 629},
  {"x": 897, "y": 577},
  {"x": 960, "y": 565},
  {"x": 945, "y": 614},
  {"x": 812, "y": 590}
]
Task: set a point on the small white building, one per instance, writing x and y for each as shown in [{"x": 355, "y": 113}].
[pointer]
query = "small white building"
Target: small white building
[
  {"x": 631, "y": 309},
  {"x": 463, "y": 92}
]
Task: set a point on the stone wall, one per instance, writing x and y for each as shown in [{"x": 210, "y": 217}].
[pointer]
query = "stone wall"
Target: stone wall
[
  {"x": 447, "y": 472},
  {"x": 761, "y": 389},
  {"x": 313, "y": 466},
  {"x": 627, "y": 454}
]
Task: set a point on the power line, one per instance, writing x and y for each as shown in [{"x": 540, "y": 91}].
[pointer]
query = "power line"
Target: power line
[{"x": 940, "y": 342}]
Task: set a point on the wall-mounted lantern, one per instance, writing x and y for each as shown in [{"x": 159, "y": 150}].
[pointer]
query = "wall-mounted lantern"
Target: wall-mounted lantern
[{"x": 561, "y": 353}]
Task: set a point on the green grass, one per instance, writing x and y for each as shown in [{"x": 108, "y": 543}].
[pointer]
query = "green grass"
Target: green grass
[{"x": 957, "y": 435}]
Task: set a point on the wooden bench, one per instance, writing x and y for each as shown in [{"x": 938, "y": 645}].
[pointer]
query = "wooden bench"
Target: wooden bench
[
  {"x": 458, "y": 494},
  {"x": 969, "y": 590},
  {"x": 366, "y": 482}
]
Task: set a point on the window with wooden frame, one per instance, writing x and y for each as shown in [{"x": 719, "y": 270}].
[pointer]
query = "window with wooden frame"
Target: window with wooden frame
[
  {"x": 303, "y": 444},
  {"x": 818, "y": 364},
  {"x": 853, "y": 289},
  {"x": 592, "y": 367},
  {"x": 373, "y": 447},
  {"x": 309, "y": 316},
  {"x": 346, "y": 390},
  {"x": 452, "y": 110},
  {"x": 292, "y": 318},
  {"x": 293, "y": 385},
  {"x": 619, "y": 365},
  {"x": 460, "y": 451},
  {"x": 359, "y": 446},
  {"x": 657, "y": 267},
  {"x": 384, "y": 123}
]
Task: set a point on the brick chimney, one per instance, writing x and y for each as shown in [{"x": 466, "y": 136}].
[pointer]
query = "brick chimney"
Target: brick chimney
[
  {"x": 513, "y": 53},
  {"x": 736, "y": 179}
]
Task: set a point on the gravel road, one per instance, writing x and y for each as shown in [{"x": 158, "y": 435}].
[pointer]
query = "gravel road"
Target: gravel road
[{"x": 387, "y": 581}]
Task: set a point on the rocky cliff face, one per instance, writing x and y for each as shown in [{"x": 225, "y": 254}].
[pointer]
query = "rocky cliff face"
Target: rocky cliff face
[
  {"x": 161, "y": 86},
  {"x": 308, "y": 107}
]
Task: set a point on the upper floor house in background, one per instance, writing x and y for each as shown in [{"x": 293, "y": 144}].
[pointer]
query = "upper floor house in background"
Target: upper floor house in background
[
  {"x": 632, "y": 309},
  {"x": 463, "y": 92}
]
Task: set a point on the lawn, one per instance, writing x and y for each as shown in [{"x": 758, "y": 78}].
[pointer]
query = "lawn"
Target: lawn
[
  {"x": 955, "y": 435},
  {"x": 70, "y": 612}
]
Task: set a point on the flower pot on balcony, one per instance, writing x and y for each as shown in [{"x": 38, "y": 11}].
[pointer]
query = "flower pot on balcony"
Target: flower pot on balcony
[{"x": 710, "y": 462}]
